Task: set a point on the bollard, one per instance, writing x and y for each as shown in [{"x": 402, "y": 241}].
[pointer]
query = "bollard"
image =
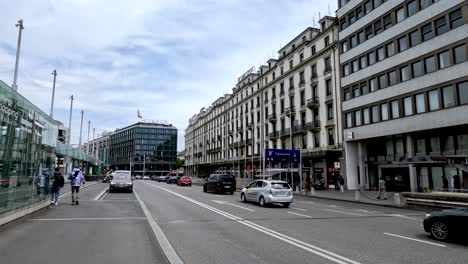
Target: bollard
[
  {"x": 357, "y": 195},
  {"x": 398, "y": 200},
  {"x": 312, "y": 191}
]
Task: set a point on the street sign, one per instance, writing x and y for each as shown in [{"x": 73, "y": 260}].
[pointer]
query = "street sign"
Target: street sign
[
  {"x": 337, "y": 165},
  {"x": 282, "y": 155}
]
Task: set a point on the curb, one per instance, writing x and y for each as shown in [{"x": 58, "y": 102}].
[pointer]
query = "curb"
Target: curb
[
  {"x": 350, "y": 201},
  {"x": 32, "y": 208}
]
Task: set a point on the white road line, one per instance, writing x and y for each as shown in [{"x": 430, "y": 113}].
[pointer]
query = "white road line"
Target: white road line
[
  {"x": 245, "y": 208},
  {"x": 307, "y": 216},
  {"x": 100, "y": 195},
  {"x": 342, "y": 212},
  {"x": 88, "y": 218},
  {"x": 414, "y": 239},
  {"x": 164, "y": 243},
  {"x": 406, "y": 217},
  {"x": 290, "y": 240},
  {"x": 300, "y": 209},
  {"x": 176, "y": 221}
]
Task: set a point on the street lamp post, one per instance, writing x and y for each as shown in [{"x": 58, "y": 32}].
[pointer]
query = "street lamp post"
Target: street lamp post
[
  {"x": 81, "y": 128},
  {"x": 89, "y": 146},
  {"x": 54, "y": 73},
  {"x": 69, "y": 133},
  {"x": 18, "y": 48}
]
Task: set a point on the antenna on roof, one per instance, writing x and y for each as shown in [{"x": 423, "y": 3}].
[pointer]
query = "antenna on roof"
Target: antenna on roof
[
  {"x": 329, "y": 9},
  {"x": 313, "y": 22},
  {"x": 319, "y": 16}
]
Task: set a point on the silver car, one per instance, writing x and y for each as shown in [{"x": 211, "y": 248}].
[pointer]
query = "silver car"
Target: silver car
[
  {"x": 122, "y": 180},
  {"x": 267, "y": 192}
]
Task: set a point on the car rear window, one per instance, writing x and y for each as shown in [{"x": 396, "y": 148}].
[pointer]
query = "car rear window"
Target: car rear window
[
  {"x": 227, "y": 178},
  {"x": 121, "y": 175},
  {"x": 279, "y": 185}
]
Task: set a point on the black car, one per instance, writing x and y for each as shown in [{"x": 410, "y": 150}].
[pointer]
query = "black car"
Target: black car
[
  {"x": 220, "y": 183},
  {"x": 172, "y": 179},
  {"x": 163, "y": 178},
  {"x": 154, "y": 178},
  {"x": 447, "y": 223}
]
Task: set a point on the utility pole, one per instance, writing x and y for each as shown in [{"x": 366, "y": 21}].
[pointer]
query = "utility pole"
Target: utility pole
[
  {"x": 18, "y": 48},
  {"x": 81, "y": 128},
  {"x": 54, "y": 73},
  {"x": 69, "y": 132},
  {"x": 94, "y": 134},
  {"x": 89, "y": 146}
]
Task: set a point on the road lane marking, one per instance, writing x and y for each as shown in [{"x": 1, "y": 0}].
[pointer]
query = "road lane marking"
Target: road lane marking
[
  {"x": 300, "y": 209},
  {"x": 166, "y": 247},
  {"x": 176, "y": 222},
  {"x": 290, "y": 240},
  {"x": 342, "y": 212},
  {"x": 406, "y": 217},
  {"x": 414, "y": 239},
  {"x": 100, "y": 195},
  {"x": 307, "y": 216},
  {"x": 242, "y": 207},
  {"x": 88, "y": 218}
]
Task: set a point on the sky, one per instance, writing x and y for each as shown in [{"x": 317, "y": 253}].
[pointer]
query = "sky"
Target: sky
[{"x": 165, "y": 58}]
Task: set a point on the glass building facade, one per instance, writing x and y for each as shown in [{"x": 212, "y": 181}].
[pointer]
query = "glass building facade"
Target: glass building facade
[{"x": 149, "y": 148}]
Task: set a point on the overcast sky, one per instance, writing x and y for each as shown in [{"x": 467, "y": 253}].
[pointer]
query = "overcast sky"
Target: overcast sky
[{"x": 167, "y": 58}]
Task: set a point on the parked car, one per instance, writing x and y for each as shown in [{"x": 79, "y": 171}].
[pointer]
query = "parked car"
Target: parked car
[
  {"x": 146, "y": 178},
  {"x": 163, "y": 178},
  {"x": 220, "y": 183},
  {"x": 172, "y": 179},
  {"x": 446, "y": 224},
  {"x": 121, "y": 180},
  {"x": 154, "y": 178},
  {"x": 266, "y": 192},
  {"x": 138, "y": 177},
  {"x": 184, "y": 181}
]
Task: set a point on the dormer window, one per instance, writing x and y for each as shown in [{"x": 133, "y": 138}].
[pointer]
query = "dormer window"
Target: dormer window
[
  {"x": 293, "y": 46},
  {"x": 323, "y": 25}
]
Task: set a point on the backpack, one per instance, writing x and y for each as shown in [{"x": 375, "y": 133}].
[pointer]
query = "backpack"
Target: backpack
[{"x": 75, "y": 174}]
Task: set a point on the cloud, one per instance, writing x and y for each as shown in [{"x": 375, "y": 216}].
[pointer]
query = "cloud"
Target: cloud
[{"x": 166, "y": 58}]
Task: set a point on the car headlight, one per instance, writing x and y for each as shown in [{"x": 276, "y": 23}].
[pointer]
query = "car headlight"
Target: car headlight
[
  {"x": 112, "y": 183},
  {"x": 428, "y": 215}
]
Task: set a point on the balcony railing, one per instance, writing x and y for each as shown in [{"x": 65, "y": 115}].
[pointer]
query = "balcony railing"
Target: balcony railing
[
  {"x": 289, "y": 111},
  {"x": 328, "y": 68},
  {"x": 219, "y": 137},
  {"x": 312, "y": 125},
  {"x": 281, "y": 93},
  {"x": 284, "y": 132},
  {"x": 272, "y": 118},
  {"x": 301, "y": 82},
  {"x": 313, "y": 102}
]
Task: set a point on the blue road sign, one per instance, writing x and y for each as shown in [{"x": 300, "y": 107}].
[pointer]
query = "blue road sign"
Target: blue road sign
[{"x": 285, "y": 155}]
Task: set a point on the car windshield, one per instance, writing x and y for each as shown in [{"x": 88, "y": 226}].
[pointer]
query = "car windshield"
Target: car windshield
[
  {"x": 122, "y": 175},
  {"x": 227, "y": 178},
  {"x": 279, "y": 185}
]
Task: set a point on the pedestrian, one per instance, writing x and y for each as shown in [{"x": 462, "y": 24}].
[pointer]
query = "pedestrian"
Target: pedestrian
[
  {"x": 57, "y": 184},
  {"x": 76, "y": 179},
  {"x": 382, "y": 192},
  {"x": 445, "y": 184},
  {"x": 341, "y": 182}
]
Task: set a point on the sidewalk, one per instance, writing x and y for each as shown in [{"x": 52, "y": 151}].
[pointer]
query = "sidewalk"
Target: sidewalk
[{"x": 366, "y": 197}]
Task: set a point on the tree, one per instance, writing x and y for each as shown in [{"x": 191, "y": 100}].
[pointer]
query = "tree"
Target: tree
[{"x": 179, "y": 163}]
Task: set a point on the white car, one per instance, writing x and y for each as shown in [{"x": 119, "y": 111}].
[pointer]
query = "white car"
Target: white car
[
  {"x": 267, "y": 192},
  {"x": 146, "y": 177}
]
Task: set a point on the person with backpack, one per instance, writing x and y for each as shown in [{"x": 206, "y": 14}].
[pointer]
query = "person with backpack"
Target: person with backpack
[
  {"x": 57, "y": 184},
  {"x": 76, "y": 179}
]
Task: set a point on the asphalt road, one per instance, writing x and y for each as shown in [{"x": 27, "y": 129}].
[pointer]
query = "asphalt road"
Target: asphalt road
[{"x": 212, "y": 228}]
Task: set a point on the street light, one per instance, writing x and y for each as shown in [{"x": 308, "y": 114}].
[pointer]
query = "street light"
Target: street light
[
  {"x": 54, "y": 73},
  {"x": 18, "y": 48}
]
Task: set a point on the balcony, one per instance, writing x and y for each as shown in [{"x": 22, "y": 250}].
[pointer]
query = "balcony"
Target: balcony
[
  {"x": 289, "y": 111},
  {"x": 249, "y": 141},
  {"x": 292, "y": 92},
  {"x": 314, "y": 76},
  {"x": 213, "y": 140},
  {"x": 241, "y": 143},
  {"x": 230, "y": 133},
  {"x": 314, "y": 125},
  {"x": 298, "y": 129},
  {"x": 250, "y": 126},
  {"x": 240, "y": 128},
  {"x": 273, "y": 135},
  {"x": 266, "y": 100},
  {"x": 258, "y": 106},
  {"x": 313, "y": 102},
  {"x": 219, "y": 137},
  {"x": 281, "y": 93},
  {"x": 301, "y": 82},
  {"x": 284, "y": 132},
  {"x": 328, "y": 68},
  {"x": 273, "y": 100},
  {"x": 272, "y": 118}
]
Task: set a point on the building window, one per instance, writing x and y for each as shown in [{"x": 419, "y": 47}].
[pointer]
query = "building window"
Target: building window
[
  {"x": 347, "y": 95},
  {"x": 420, "y": 103},
  {"x": 375, "y": 114},
  {"x": 301, "y": 78},
  {"x": 417, "y": 68},
  {"x": 369, "y": 32},
  {"x": 400, "y": 14},
  {"x": 373, "y": 84},
  {"x": 448, "y": 96},
  {"x": 364, "y": 89},
  {"x": 303, "y": 118},
  {"x": 366, "y": 115},
  {"x": 301, "y": 57},
  {"x": 456, "y": 19},
  {"x": 426, "y": 32},
  {"x": 349, "y": 120},
  {"x": 388, "y": 21},
  {"x": 355, "y": 64},
  {"x": 382, "y": 82},
  {"x": 346, "y": 70},
  {"x": 424, "y": 3},
  {"x": 404, "y": 73},
  {"x": 392, "y": 78},
  {"x": 363, "y": 62},
  {"x": 354, "y": 41},
  {"x": 282, "y": 106},
  {"x": 302, "y": 98},
  {"x": 395, "y": 109},
  {"x": 408, "y": 105},
  {"x": 304, "y": 141},
  {"x": 444, "y": 59},
  {"x": 327, "y": 41},
  {"x": 390, "y": 49},
  {"x": 441, "y": 25},
  {"x": 434, "y": 100},
  {"x": 463, "y": 92},
  {"x": 316, "y": 140},
  {"x": 357, "y": 118},
  {"x": 313, "y": 50},
  {"x": 430, "y": 64},
  {"x": 273, "y": 75},
  {"x": 402, "y": 43},
  {"x": 361, "y": 37},
  {"x": 291, "y": 64},
  {"x": 291, "y": 83},
  {"x": 291, "y": 102},
  {"x": 359, "y": 12},
  {"x": 371, "y": 58},
  {"x": 378, "y": 27},
  {"x": 412, "y": 8},
  {"x": 414, "y": 38},
  {"x": 328, "y": 87},
  {"x": 327, "y": 64},
  {"x": 356, "y": 91},
  {"x": 384, "y": 111},
  {"x": 331, "y": 136},
  {"x": 313, "y": 69},
  {"x": 459, "y": 54},
  {"x": 330, "y": 111},
  {"x": 368, "y": 7},
  {"x": 281, "y": 88},
  {"x": 344, "y": 46}
]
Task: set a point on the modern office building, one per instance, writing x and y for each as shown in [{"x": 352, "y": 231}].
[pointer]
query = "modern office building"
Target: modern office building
[
  {"x": 292, "y": 102},
  {"x": 145, "y": 147},
  {"x": 405, "y": 84}
]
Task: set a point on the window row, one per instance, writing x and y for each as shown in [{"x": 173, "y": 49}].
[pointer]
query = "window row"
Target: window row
[
  {"x": 395, "y": 16},
  {"x": 410, "y": 39},
  {"x": 432, "y": 100},
  {"x": 358, "y": 12},
  {"x": 426, "y": 65}
]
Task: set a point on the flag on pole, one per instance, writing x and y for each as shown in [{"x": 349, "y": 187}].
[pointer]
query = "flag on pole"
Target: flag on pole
[{"x": 138, "y": 114}]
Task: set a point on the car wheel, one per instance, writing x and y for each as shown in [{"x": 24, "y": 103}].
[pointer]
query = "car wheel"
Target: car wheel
[
  {"x": 286, "y": 205},
  {"x": 262, "y": 201},
  {"x": 131, "y": 190},
  {"x": 232, "y": 193},
  {"x": 439, "y": 230},
  {"x": 243, "y": 199},
  {"x": 204, "y": 188}
]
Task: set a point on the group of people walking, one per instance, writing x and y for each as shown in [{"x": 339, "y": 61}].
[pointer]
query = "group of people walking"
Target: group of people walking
[{"x": 76, "y": 178}]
